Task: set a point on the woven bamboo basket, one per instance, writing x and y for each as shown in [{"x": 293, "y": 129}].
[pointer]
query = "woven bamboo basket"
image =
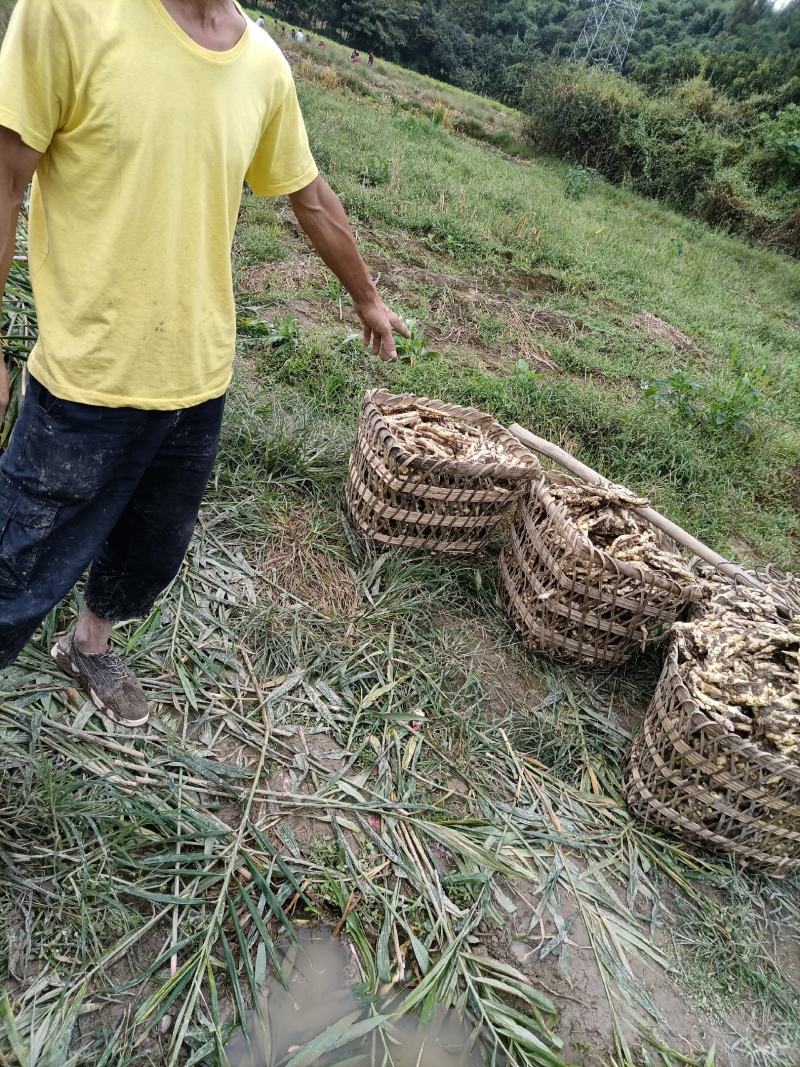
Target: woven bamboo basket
[
  {"x": 572, "y": 600},
  {"x": 687, "y": 775},
  {"x": 403, "y": 500}
]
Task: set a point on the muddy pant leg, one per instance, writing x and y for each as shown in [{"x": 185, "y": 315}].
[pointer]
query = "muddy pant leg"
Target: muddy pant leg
[
  {"x": 65, "y": 478},
  {"x": 146, "y": 547}
]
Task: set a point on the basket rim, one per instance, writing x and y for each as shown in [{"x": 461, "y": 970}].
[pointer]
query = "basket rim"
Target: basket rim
[
  {"x": 690, "y": 591},
  {"x": 526, "y": 471},
  {"x": 645, "y": 577},
  {"x": 591, "y": 593}
]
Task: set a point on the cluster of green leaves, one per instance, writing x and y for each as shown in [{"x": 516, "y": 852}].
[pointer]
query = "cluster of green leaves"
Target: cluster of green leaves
[
  {"x": 376, "y": 171},
  {"x": 577, "y": 183},
  {"x": 414, "y": 347},
  {"x": 782, "y": 139},
  {"x": 730, "y": 405}
]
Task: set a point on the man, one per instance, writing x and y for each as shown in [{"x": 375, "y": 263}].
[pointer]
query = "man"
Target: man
[{"x": 141, "y": 120}]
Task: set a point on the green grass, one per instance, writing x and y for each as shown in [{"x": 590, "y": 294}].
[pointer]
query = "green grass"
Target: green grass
[
  {"x": 728, "y": 958},
  {"x": 126, "y": 851}
]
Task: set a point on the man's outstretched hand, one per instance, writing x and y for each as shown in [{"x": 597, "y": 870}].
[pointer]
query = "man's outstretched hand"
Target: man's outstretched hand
[
  {"x": 324, "y": 222},
  {"x": 380, "y": 326}
]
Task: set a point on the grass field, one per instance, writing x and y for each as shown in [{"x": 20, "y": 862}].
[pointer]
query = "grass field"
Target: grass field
[{"x": 361, "y": 742}]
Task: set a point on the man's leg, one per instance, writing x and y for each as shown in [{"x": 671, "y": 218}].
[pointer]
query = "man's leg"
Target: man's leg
[
  {"x": 92, "y": 634},
  {"x": 65, "y": 478},
  {"x": 140, "y": 557},
  {"x": 146, "y": 547}
]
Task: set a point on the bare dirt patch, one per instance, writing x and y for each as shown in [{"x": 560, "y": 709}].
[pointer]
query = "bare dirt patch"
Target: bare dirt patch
[
  {"x": 741, "y": 549},
  {"x": 462, "y": 305},
  {"x": 309, "y": 758},
  {"x": 283, "y": 275},
  {"x": 510, "y": 681},
  {"x": 537, "y": 281},
  {"x": 660, "y": 330},
  {"x": 298, "y": 568},
  {"x": 521, "y": 285},
  {"x": 555, "y": 322},
  {"x": 586, "y": 1020},
  {"x": 459, "y": 299},
  {"x": 308, "y": 313}
]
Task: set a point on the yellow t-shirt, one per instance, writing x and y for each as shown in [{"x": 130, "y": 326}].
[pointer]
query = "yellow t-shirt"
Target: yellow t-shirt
[{"x": 147, "y": 139}]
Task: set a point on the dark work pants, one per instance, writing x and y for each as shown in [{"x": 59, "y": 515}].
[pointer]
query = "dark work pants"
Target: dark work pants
[{"x": 117, "y": 488}]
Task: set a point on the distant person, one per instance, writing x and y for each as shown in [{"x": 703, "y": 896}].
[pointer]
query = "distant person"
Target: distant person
[
  {"x": 321, "y": 44},
  {"x": 116, "y": 438},
  {"x": 370, "y": 60},
  {"x": 356, "y": 56},
  {"x": 261, "y": 23}
]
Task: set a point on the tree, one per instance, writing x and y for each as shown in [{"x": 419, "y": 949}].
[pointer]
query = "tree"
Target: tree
[
  {"x": 380, "y": 25},
  {"x": 746, "y": 12}
]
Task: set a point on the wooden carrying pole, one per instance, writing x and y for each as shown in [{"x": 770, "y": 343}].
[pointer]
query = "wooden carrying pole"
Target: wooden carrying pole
[{"x": 580, "y": 470}]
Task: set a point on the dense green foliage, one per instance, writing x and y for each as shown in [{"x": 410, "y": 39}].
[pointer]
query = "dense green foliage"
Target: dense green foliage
[
  {"x": 743, "y": 46},
  {"x": 735, "y": 163}
]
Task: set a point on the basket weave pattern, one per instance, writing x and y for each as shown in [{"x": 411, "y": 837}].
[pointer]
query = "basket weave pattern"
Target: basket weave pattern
[
  {"x": 687, "y": 775},
  {"x": 574, "y": 601},
  {"x": 400, "y": 499}
]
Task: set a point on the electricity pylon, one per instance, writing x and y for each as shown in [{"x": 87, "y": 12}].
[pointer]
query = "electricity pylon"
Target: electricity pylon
[{"x": 607, "y": 32}]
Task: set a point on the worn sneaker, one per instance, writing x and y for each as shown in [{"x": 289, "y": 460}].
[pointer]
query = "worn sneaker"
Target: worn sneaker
[{"x": 113, "y": 687}]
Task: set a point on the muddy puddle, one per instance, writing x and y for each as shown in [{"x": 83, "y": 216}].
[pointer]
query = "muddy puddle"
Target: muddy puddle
[{"x": 324, "y": 993}]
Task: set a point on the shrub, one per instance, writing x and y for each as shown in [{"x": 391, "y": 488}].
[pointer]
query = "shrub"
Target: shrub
[
  {"x": 577, "y": 183},
  {"x": 728, "y": 204},
  {"x": 578, "y": 113},
  {"x": 788, "y": 234},
  {"x": 443, "y": 115},
  {"x": 691, "y": 147},
  {"x": 700, "y": 99},
  {"x": 601, "y": 121},
  {"x": 782, "y": 140},
  {"x": 469, "y": 126},
  {"x": 376, "y": 171}
]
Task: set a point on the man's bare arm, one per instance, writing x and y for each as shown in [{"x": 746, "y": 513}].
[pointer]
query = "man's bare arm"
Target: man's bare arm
[
  {"x": 324, "y": 222},
  {"x": 17, "y": 165}
]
